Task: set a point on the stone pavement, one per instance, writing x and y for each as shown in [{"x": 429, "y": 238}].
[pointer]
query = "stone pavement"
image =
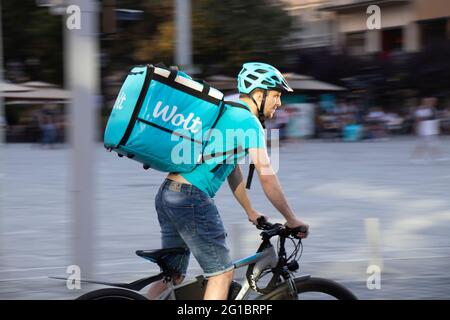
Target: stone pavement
[{"x": 333, "y": 186}]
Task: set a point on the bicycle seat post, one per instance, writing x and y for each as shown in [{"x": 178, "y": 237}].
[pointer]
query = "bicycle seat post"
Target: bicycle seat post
[{"x": 169, "y": 280}]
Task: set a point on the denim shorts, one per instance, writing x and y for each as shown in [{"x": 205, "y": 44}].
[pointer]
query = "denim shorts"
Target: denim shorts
[{"x": 189, "y": 219}]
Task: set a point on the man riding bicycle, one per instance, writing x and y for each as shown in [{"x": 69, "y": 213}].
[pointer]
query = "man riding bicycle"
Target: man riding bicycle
[{"x": 186, "y": 210}]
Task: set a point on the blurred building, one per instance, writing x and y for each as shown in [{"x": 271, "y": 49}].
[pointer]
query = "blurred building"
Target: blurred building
[
  {"x": 406, "y": 25},
  {"x": 312, "y": 27}
]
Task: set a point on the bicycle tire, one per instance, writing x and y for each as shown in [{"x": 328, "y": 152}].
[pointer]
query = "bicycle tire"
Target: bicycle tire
[
  {"x": 112, "y": 294},
  {"x": 316, "y": 285}
]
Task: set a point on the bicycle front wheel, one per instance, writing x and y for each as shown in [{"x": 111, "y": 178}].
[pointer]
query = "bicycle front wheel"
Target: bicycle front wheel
[
  {"x": 312, "y": 289},
  {"x": 112, "y": 294}
]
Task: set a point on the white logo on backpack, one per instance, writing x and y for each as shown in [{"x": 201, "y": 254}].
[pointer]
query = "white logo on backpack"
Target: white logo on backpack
[
  {"x": 119, "y": 102},
  {"x": 177, "y": 119}
]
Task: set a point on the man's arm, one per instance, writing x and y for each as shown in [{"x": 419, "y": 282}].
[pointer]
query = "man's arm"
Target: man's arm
[
  {"x": 237, "y": 186},
  {"x": 272, "y": 187}
]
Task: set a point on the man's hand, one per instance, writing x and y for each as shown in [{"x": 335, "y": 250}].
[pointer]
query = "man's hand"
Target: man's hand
[
  {"x": 254, "y": 215},
  {"x": 296, "y": 223}
]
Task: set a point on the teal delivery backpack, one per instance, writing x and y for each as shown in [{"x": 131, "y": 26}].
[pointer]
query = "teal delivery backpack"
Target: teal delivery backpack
[{"x": 161, "y": 118}]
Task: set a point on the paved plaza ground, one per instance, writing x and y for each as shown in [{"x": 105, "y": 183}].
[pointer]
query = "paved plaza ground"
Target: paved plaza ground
[{"x": 343, "y": 190}]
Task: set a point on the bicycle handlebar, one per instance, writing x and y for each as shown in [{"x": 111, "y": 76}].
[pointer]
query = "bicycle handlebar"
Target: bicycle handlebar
[{"x": 277, "y": 229}]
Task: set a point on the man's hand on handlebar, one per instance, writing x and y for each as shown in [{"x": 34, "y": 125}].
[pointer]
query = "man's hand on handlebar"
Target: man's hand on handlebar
[
  {"x": 254, "y": 216},
  {"x": 300, "y": 226},
  {"x": 296, "y": 227}
]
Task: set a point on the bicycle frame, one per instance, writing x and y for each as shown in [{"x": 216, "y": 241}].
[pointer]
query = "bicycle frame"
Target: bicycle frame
[{"x": 265, "y": 259}]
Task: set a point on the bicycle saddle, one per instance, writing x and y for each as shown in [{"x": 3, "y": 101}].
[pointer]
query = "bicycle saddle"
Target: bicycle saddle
[{"x": 157, "y": 255}]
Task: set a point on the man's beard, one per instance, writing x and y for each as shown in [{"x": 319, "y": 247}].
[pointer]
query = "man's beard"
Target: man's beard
[{"x": 271, "y": 115}]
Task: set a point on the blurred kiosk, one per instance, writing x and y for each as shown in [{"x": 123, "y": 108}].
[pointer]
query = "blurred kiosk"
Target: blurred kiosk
[{"x": 301, "y": 120}]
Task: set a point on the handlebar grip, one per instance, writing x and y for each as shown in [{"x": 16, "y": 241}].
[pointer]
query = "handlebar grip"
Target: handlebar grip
[
  {"x": 262, "y": 223},
  {"x": 261, "y": 220},
  {"x": 301, "y": 229}
]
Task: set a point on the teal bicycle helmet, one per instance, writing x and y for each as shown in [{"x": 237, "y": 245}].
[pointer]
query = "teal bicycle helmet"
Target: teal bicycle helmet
[{"x": 257, "y": 75}]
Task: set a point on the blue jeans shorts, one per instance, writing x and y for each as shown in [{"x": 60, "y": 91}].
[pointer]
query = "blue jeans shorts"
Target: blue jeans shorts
[{"x": 189, "y": 219}]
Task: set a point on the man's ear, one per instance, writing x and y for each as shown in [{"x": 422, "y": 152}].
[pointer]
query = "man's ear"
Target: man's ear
[{"x": 257, "y": 95}]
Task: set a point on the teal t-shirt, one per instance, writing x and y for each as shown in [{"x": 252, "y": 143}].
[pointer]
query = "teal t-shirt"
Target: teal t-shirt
[{"x": 236, "y": 131}]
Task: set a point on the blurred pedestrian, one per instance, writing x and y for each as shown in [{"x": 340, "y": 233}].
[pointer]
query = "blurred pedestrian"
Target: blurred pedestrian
[
  {"x": 3, "y": 123},
  {"x": 427, "y": 130},
  {"x": 376, "y": 124},
  {"x": 329, "y": 126},
  {"x": 444, "y": 120},
  {"x": 49, "y": 132}
]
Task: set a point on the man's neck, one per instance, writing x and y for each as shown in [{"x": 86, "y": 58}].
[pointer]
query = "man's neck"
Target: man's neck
[{"x": 251, "y": 105}]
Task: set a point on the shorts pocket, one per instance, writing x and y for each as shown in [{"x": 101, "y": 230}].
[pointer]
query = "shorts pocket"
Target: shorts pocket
[
  {"x": 204, "y": 199},
  {"x": 177, "y": 199}
]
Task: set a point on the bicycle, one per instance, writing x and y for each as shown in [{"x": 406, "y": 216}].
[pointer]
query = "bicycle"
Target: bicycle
[{"x": 282, "y": 285}]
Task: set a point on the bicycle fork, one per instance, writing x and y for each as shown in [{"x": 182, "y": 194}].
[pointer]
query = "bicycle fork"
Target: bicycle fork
[{"x": 292, "y": 288}]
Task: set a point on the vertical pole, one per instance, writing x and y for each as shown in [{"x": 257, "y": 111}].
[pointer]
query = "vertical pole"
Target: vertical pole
[
  {"x": 82, "y": 70},
  {"x": 183, "y": 42},
  {"x": 2, "y": 135}
]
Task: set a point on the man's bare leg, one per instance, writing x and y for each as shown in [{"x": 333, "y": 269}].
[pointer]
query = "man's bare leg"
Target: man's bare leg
[
  {"x": 158, "y": 287},
  {"x": 218, "y": 286}
]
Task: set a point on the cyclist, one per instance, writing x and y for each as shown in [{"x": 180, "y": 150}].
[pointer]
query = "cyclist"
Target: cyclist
[{"x": 186, "y": 210}]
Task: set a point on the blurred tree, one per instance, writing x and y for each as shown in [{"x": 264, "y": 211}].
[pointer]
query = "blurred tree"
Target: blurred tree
[
  {"x": 32, "y": 40},
  {"x": 157, "y": 44},
  {"x": 133, "y": 41},
  {"x": 224, "y": 35},
  {"x": 234, "y": 32}
]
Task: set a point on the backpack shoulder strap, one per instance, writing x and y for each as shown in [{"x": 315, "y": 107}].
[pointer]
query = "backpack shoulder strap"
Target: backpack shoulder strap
[
  {"x": 237, "y": 105},
  {"x": 252, "y": 166}
]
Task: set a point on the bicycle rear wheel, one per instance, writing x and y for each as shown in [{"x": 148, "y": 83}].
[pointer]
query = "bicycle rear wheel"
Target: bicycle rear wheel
[
  {"x": 112, "y": 294},
  {"x": 312, "y": 289}
]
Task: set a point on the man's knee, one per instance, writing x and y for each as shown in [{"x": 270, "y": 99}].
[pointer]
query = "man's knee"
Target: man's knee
[{"x": 228, "y": 275}]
